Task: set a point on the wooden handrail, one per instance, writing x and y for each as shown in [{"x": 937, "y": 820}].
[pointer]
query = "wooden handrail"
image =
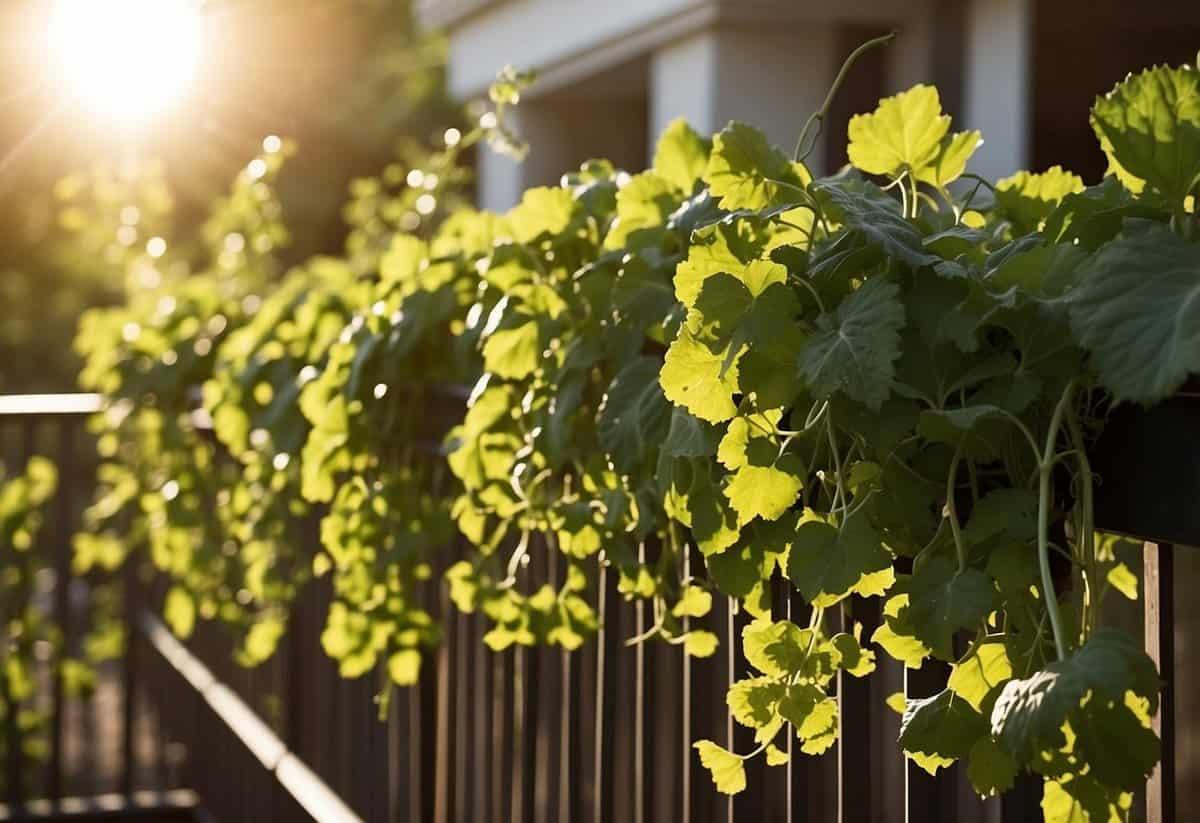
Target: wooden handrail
[{"x": 308, "y": 790}]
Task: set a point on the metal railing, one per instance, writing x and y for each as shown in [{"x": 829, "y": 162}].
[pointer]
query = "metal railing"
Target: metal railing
[{"x": 604, "y": 733}]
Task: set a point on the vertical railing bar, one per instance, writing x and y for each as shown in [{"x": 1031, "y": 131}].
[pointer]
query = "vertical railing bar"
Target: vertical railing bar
[
  {"x": 441, "y": 797},
  {"x": 568, "y": 783},
  {"x": 639, "y": 707},
  {"x": 1159, "y": 629},
  {"x": 601, "y": 638},
  {"x": 730, "y": 658},
  {"x": 790, "y": 795},
  {"x": 461, "y": 683},
  {"x": 483, "y": 667},
  {"x": 416, "y": 752},
  {"x": 129, "y": 674},
  {"x": 501, "y": 683},
  {"x": 62, "y": 576},
  {"x": 685, "y": 767},
  {"x": 517, "y": 809}
]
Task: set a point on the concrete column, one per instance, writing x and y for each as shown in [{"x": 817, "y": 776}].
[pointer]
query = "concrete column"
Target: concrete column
[
  {"x": 998, "y": 89},
  {"x": 770, "y": 79}
]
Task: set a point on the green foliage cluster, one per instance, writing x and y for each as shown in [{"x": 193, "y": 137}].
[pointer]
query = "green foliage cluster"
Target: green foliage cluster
[
  {"x": 880, "y": 384},
  {"x": 31, "y": 643}
]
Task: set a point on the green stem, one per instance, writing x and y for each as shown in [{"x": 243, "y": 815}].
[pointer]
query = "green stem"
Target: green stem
[
  {"x": 1046, "y": 470},
  {"x": 960, "y": 546},
  {"x": 1087, "y": 528},
  {"x": 815, "y": 119}
]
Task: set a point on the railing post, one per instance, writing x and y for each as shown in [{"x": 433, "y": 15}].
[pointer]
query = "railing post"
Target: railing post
[
  {"x": 1159, "y": 577},
  {"x": 62, "y": 588}
]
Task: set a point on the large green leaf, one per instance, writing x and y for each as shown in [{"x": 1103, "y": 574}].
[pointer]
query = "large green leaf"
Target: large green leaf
[
  {"x": 826, "y": 564},
  {"x": 938, "y": 730},
  {"x": 634, "y": 416},
  {"x": 1088, "y": 691},
  {"x": 728, "y": 773},
  {"x": 745, "y": 171},
  {"x": 875, "y": 216},
  {"x": 1137, "y": 310},
  {"x": 857, "y": 346},
  {"x": 1149, "y": 126},
  {"x": 681, "y": 155},
  {"x": 944, "y": 601},
  {"x": 695, "y": 377},
  {"x": 903, "y": 134},
  {"x": 1027, "y": 199}
]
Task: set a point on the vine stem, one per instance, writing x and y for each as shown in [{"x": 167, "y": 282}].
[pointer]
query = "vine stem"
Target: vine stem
[
  {"x": 960, "y": 546},
  {"x": 1045, "y": 471},
  {"x": 1087, "y": 526},
  {"x": 820, "y": 114}
]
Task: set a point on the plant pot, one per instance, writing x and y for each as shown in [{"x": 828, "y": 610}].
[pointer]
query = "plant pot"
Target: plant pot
[{"x": 1148, "y": 465}]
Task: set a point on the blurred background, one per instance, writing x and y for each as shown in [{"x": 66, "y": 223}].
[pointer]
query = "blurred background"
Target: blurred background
[{"x": 162, "y": 102}]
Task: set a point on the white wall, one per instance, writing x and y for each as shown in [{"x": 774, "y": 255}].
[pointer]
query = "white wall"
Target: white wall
[
  {"x": 997, "y": 93},
  {"x": 770, "y": 79}
]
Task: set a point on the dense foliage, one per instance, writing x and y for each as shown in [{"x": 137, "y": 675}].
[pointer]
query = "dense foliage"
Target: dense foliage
[
  {"x": 881, "y": 386},
  {"x": 31, "y": 644}
]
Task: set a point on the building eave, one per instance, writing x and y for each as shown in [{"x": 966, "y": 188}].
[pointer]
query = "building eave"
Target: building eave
[{"x": 442, "y": 14}]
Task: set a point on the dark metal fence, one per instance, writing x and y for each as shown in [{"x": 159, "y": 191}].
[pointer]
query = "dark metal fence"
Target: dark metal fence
[{"x": 604, "y": 733}]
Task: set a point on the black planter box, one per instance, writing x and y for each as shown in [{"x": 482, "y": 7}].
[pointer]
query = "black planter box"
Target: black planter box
[{"x": 1148, "y": 463}]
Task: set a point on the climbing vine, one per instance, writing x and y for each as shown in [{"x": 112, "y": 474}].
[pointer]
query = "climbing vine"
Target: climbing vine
[{"x": 880, "y": 386}]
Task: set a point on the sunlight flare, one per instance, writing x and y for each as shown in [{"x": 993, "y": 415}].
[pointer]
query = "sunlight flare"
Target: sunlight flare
[{"x": 125, "y": 59}]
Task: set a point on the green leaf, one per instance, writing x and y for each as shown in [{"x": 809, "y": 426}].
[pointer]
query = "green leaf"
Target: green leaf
[
  {"x": 991, "y": 770},
  {"x": 827, "y": 564},
  {"x": 814, "y": 715},
  {"x": 753, "y": 702},
  {"x": 1149, "y": 127},
  {"x": 854, "y": 659},
  {"x": 856, "y": 348},
  {"x": 944, "y": 601},
  {"x": 903, "y": 134},
  {"x": 513, "y": 353},
  {"x": 634, "y": 416},
  {"x": 1008, "y": 512},
  {"x": 729, "y": 245},
  {"x": 896, "y": 636},
  {"x": 1081, "y": 799},
  {"x": 775, "y": 648},
  {"x": 693, "y": 602},
  {"x": 728, "y": 773},
  {"x": 404, "y": 667},
  {"x": 776, "y": 756},
  {"x": 695, "y": 378},
  {"x": 938, "y": 730},
  {"x": 1088, "y": 691},
  {"x": 974, "y": 677},
  {"x": 179, "y": 609},
  {"x": 1026, "y": 199},
  {"x": 954, "y": 154},
  {"x": 978, "y": 431},
  {"x": 1137, "y": 311},
  {"x": 875, "y": 217},
  {"x": 737, "y": 570},
  {"x": 542, "y": 211},
  {"x": 766, "y": 491},
  {"x": 681, "y": 155},
  {"x": 699, "y": 643},
  {"x": 742, "y": 167},
  {"x": 643, "y": 205},
  {"x": 689, "y": 436},
  {"x": 1123, "y": 580}
]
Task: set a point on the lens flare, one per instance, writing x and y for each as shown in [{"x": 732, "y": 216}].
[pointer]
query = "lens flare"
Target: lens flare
[{"x": 125, "y": 59}]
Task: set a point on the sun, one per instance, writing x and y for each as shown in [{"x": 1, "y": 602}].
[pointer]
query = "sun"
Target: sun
[{"x": 126, "y": 60}]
